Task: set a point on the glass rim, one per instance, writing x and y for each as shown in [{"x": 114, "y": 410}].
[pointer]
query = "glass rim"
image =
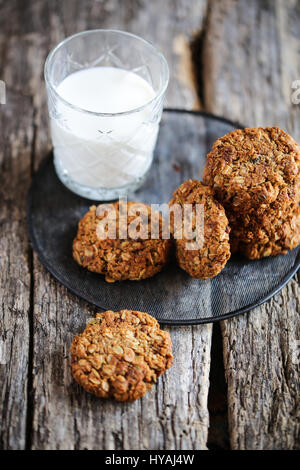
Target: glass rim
[{"x": 53, "y": 51}]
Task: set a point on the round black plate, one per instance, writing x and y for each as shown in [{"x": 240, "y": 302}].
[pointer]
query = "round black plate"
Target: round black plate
[{"x": 171, "y": 296}]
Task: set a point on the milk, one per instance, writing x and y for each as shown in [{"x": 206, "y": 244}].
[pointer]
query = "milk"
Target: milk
[{"x": 103, "y": 151}]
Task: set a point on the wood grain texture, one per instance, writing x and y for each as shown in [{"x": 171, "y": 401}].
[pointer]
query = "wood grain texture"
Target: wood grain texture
[
  {"x": 59, "y": 414},
  {"x": 251, "y": 52},
  {"x": 17, "y": 136},
  {"x": 15, "y": 271}
]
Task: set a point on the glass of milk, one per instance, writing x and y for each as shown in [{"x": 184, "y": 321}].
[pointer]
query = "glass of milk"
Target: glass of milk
[{"x": 105, "y": 95}]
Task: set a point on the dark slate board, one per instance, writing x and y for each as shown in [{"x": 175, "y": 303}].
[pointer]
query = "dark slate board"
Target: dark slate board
[{"x": 171, "y": 296}]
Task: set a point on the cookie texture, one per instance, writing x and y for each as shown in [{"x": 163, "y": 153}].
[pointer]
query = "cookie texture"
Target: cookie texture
[
  {"x": 120, "y": 355},
  {"x": 124, "y": 255},
  {"x": 254, "y": 167},
  {"x": 213, "y": 251},
  {"x": 255, "y": 174},
  {"x": 264, "y": 234}
]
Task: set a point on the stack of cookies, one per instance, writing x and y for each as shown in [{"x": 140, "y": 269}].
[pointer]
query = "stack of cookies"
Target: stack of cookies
[{"x": 255, "y": 175}]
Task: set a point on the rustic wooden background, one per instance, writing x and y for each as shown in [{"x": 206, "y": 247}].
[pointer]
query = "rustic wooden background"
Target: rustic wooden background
[{"x": 245, "y": 56}]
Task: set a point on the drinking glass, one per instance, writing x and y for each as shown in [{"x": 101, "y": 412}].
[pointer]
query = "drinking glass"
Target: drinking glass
[{"x": 103, "y": 156}]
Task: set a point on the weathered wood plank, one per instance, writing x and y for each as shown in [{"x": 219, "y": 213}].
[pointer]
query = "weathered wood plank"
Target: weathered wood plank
[
  {"x": 250, "y": 53},
  {"x": 174, "y": 414},
  {"x": 17, "y": 135},
  {"x": 262, "y": 369}
]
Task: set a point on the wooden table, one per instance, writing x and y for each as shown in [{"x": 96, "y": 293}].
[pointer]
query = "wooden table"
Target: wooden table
[{"x": 245, "y": 56}]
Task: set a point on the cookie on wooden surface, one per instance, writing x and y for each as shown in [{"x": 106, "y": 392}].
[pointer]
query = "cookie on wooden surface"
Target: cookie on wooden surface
[{"x": 120, "y": 355}]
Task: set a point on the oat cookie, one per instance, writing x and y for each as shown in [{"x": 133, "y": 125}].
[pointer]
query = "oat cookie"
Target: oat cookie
[
  {"x": 255, "y": 174},
  {"x": 120, "y": 355},
  {"x": 123, "y": 257},
  {"x": 210, "y": 258},
  {"x": 265, "y": 234},
  {"x": 254, "y": 167}
]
